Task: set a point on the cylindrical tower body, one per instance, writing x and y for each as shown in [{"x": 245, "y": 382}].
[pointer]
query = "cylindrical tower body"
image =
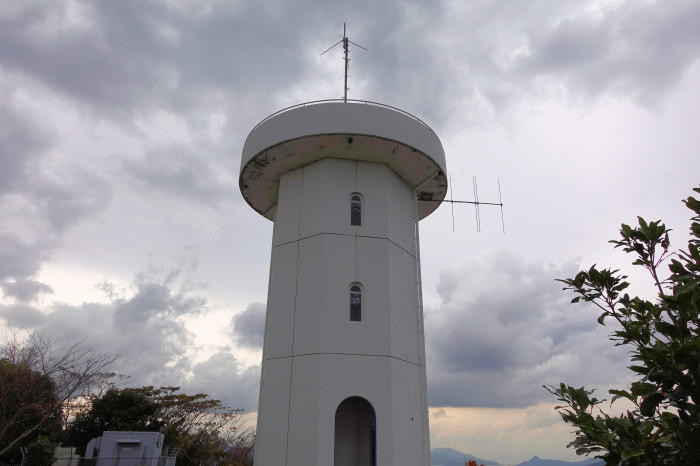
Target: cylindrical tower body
[{"x": 343, "y": 372}]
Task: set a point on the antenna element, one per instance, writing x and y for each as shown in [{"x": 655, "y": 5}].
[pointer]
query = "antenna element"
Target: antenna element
[
  {"x": 346, "y": 47},
  {"x": 476, "y": 203}
]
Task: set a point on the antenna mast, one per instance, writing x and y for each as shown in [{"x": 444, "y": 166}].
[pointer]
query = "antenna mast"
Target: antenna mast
[{"x": 346, "y": 49}]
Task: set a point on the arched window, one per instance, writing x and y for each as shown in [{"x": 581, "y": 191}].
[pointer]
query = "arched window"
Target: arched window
[
  {"x": 355, "y": 302},
  {"x": 356, "y": 209}
]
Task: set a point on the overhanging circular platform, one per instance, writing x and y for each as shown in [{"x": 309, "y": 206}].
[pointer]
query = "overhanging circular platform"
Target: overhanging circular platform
[{"x": 354, "y": 130}]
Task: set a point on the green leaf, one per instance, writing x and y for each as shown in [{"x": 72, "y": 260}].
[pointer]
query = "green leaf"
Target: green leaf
[
  {"x": 686, "y": 288},
  {"x": 639, "y": 369},
  {"x": 620, "y": 394},
  {"x": 643, "y": 389},
  {"x": 666, "y": 328},
  {"x": 627, "y": 454},
  {"x": 649, "y": 404}
]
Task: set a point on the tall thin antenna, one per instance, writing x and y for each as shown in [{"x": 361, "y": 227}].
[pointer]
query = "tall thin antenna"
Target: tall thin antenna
[
  {"x": 476, "y": 205},
  {"x": 346, "y": 48}
]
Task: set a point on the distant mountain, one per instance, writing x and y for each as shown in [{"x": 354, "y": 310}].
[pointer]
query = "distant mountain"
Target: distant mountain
[
  {"x": 537, "y": 461},
  {"x": 452, "y": 457}
]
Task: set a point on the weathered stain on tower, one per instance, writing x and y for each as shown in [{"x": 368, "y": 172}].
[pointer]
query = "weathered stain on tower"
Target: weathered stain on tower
[{"x": 343, "y": 372}]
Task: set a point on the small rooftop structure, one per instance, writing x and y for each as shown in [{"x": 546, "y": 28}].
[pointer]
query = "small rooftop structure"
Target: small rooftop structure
[{"x": 115, "y": 448}]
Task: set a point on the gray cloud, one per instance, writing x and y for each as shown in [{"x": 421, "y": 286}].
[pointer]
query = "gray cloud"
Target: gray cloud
[
  {"x": 126, "y": 57},
  {"x": 24, "y": 289},
  {"x": 21, "y": 143},
  {"x": 101, "y": 63},
  {"x": 39, "y": 200},
  {"x": 248, "y": 327},
  {"x": 76, "y": 196},
  {"x": 185, "y": 172},
  {"x": 129, "y": 58},
  {"x": 21, "y": 316},
  {"x": 222, "y": 377},
  {"x": 145, "y": 327},
  {"x": 505, "y": 330},
  {"x": 18, "y": 259},
  {"x": 638, "y": 48}
]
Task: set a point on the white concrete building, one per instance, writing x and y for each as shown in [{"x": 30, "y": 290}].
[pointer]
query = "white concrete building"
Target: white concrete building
[
  {"x": 121, "y": 448},
  {"x": 343, "y": 372}
]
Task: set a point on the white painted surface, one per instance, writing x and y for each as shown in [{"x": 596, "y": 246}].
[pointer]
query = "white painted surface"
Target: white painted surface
[
  {"x": 117, "y": 448},
  {"x": 314, "y": 357},
  {"x": 352, "y": 131}
]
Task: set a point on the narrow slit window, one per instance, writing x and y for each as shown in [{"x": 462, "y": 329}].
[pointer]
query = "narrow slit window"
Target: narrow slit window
[
  {"x": 355, "y": 210},
  {"x": 355, "y": 303}
]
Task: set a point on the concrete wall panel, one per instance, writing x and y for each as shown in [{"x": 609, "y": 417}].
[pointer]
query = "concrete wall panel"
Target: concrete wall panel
[
  {"x": 309, "y": 299},
  {"x": 288, "y": 208},
  {"x": 273, "y": 411},
  {"x": 314, "y": 357},
  {"x": 304, "y": 411},
  {"x": 281, "y": 301}
]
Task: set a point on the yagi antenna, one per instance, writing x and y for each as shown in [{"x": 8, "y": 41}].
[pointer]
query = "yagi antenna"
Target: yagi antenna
[
  {"x": 476, "y": 203},
  {"x": 346, "y": 47}
]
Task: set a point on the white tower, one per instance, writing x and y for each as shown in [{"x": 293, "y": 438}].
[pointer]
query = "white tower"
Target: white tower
[{"x": 343, "y": 372}]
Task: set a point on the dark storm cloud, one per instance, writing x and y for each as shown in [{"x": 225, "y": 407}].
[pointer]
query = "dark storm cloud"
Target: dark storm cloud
[
  {"x": 506, "y": 329},
  {"x": 248, "y": 327}
]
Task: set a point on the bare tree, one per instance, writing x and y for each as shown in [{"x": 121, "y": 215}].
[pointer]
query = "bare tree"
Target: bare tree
[{"x": 40, "y": 378}]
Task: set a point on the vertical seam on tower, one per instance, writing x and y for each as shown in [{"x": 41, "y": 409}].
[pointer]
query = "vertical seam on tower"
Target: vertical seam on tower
[
  {"x": 363, "y": 215},
  {"x": 294, "y": 316},
  {"x": 422, "y": 384}
]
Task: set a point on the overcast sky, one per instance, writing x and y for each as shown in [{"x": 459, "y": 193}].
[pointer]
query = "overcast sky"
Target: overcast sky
[{"x": 121, "y": 222}]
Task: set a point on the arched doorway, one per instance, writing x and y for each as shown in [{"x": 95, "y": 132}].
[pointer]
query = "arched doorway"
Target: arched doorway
[{"x": 355, "y": 433}]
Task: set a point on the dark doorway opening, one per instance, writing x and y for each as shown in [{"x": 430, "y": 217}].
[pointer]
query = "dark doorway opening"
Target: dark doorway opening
[{"x": 355, "y": 433}]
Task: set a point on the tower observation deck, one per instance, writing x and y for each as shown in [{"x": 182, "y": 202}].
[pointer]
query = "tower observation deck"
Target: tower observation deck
[{"x": 343, "y": 373}]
